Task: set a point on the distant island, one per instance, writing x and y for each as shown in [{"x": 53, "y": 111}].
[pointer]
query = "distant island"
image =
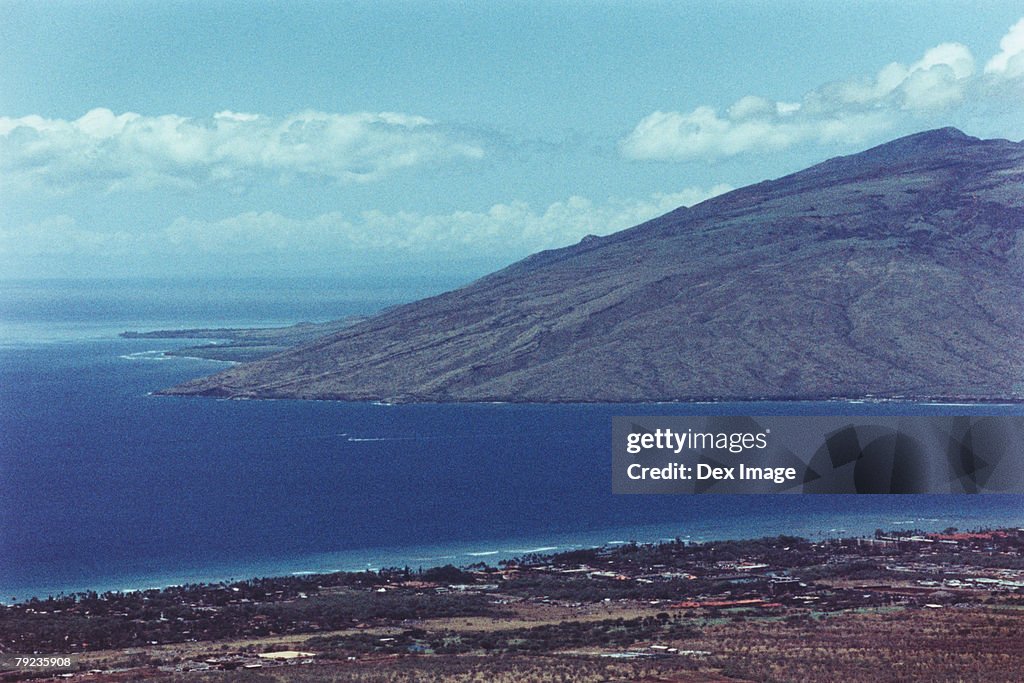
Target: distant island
[
  {"x": 930, "y": 606},
  {"x": 897, "y": 272}
]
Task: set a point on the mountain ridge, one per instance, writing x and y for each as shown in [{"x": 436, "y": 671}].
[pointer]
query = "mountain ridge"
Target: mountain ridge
[{"x": 895, "y": 271}]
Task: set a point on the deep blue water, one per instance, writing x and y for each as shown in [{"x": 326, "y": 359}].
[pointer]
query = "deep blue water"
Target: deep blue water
[{"x": 104, "y": 486}]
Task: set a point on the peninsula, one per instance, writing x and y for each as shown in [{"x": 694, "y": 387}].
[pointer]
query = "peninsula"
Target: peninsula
[{"x": 241, "y": 344}]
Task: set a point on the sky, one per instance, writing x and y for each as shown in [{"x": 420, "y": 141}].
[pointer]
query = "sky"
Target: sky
[{"x": 267, "y": 139}]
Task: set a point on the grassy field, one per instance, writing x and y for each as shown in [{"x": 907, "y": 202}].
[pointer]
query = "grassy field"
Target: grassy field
[{"x": 978, "y": 643}]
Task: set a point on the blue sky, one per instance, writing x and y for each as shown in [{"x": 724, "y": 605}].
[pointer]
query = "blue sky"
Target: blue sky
[{"x": 266, "y": 139}]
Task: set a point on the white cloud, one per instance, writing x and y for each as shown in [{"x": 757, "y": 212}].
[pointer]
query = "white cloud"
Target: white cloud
[
  {"x": 511, "y": 229},
  {"x": 129, "y": 150},
  {"x": 703, "y": 134},
  {"x": 849, "y": 112},
  {"x": 935, "y": 88},
  {"x": 953, "y": 55},
  {"x": 229, "y": 115},
  {"x": 1009, "y": 62},
  {"x": 751, "y": 106}
]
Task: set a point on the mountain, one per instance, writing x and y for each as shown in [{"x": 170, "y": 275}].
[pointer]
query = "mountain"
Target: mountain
[{"x": 895, "y": 272}]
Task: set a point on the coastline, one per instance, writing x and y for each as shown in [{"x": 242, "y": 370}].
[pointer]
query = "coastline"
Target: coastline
[
  {"x": 240, "y": 345},
  {"x": 696, "y": 608},
  {"x": 467, "y": 552}
]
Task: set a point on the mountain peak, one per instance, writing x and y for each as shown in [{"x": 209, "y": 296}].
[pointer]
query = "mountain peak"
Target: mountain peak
[
  {"x": 931, "y": 148},
  {"x": 938, "y": 135},
  {"x": 926, "y": 142}
]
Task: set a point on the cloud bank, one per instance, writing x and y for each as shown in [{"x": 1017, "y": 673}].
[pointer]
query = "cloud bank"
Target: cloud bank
[
  {"x": 512, "y": 229},
  {"x": 130, "y": 151},
  {"x": 849, "y": 112}
]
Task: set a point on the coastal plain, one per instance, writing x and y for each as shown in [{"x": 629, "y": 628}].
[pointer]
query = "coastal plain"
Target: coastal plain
[{"x": 896, "y": 606}]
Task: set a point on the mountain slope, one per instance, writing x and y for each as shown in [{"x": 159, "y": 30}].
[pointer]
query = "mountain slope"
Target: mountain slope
[{"x": 898, "y": 271}]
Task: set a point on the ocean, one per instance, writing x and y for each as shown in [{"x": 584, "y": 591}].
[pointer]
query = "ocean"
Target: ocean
[{"x": 106, "y": 487}]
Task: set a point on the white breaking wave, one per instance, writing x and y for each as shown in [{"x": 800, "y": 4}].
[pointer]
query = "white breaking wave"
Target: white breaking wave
[
  {"x": 542, "y": 549},
  {"x": 157, "y": 354}
]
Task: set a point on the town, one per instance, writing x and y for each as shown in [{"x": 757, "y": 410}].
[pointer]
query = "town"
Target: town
[{"x": 764, "y": 609}]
